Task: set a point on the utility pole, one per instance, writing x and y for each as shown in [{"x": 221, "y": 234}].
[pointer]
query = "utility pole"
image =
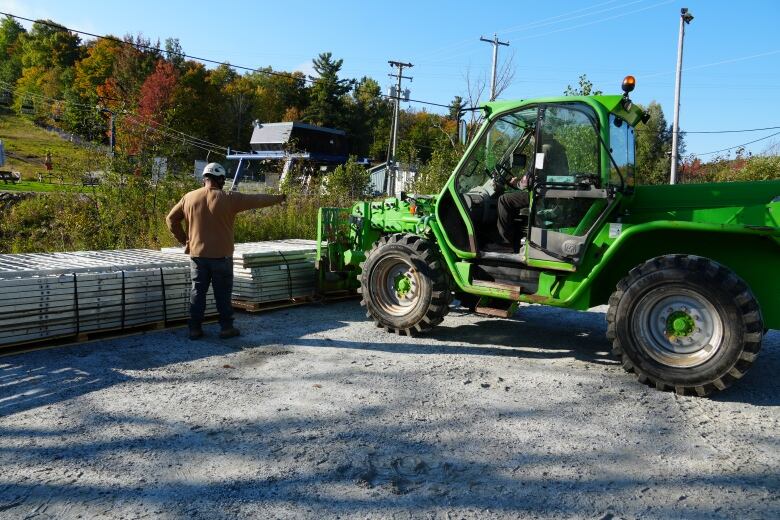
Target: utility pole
[
  {"x": 495, "y": 43},
  {"x": 112, "y": 137},
  {"x": 685, "y": 18},
  {"x": 392, "y": 167}
]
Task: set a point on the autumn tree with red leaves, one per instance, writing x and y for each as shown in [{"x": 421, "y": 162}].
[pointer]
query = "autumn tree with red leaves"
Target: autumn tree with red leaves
[{"x": 156, "y": 107}]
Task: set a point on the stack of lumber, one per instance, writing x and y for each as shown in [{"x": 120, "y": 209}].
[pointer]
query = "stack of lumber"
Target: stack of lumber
[
  {"x": 272, "y": 271},
  {"x": 49, "y": 295}
]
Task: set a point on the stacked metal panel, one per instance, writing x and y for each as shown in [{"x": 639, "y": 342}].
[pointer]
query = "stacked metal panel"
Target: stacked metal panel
[
  {"x": 272, "y": 271},
  {"x": 63, "y": 294}
]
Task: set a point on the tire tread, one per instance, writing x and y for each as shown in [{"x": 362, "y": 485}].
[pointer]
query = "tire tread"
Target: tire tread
[
  {"x": 718, "y": 275},
  {"x": 441, "y": 295}
]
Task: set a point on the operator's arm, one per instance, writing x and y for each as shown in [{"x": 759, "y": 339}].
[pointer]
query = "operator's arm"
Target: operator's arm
[
  {"x": 521, "y": 183},
  {"x": 245, "y": 201},
  {"x": 174, "y": 220}
]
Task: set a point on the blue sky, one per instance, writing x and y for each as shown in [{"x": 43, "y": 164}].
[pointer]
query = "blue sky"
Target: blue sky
[{"x": 732, "y": 49}]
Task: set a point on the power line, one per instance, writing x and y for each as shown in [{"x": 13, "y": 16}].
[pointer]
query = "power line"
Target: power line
[
  {"x": 172, "y": 136},
  {"x": 568, "y": 28},
  {"x": 157, "y": 127},
  {"x": 721, "y": 62},
  {"x": 149, "y": 47},
  {"x": 183, "y": 55},
  {"x": 189, "y": 136},
  {"x": 732, "y": 131},
  {"x": 11, "y": 88},
  {"x": 738, "y": 146},
  {"x": 566, "y": 17},
  {"x": 601, "y": 20},
  {"x": 717, "y": 131},
  {"x": 531, "y": 25}
]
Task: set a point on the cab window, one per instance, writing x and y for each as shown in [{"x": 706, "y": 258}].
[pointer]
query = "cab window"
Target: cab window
[
  {"x": 497, "y": 150},
  {"x": 622, "y": 147},
  {"x": 567, "y": 160},
  {"x": 569, "y": 146}
]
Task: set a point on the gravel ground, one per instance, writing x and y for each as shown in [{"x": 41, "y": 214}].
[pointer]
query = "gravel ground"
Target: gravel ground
[{"x": 315, "y": 413}]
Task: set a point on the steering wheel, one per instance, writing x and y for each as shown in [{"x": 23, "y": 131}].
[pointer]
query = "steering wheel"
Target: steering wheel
[{"x": 501, "y": 174}]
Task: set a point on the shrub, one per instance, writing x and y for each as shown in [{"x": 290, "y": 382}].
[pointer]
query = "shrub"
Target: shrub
[
  {"x": 432, "y": 176},
  {"x": 348, "y": 181}
]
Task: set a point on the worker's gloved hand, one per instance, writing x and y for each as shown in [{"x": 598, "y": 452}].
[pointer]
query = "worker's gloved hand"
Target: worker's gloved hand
[{"x": 522, "y": 182}]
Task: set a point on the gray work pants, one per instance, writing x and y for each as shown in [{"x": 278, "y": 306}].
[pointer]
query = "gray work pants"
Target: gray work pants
[
  {"x": 508, "y": 206},
  {"x": 217, "y": 272}
]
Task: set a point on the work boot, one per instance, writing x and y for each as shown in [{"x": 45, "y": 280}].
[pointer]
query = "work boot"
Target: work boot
[
  {"x": 196, "y": 333},
  {"x": 228, "y": 333}
]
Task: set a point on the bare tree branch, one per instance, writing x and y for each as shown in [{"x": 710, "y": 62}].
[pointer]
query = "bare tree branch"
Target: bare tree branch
[
  {"x": 453, "y": 142},
  {"x": 505, "y": 74},
  {"x": 475, "y": 89}
]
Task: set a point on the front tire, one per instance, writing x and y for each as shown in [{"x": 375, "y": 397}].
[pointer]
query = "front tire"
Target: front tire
[
  {"x": 685, "y": 323},
  {"x": 403, "y": 285}
]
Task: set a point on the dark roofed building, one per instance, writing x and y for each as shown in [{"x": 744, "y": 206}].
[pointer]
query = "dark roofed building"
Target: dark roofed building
[
  {"x": 291, "y": 141},
  {"x": 316, "y": 142}
]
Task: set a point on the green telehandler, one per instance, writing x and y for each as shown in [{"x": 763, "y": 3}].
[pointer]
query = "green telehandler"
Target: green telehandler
[{"x": 690, "y": 273}]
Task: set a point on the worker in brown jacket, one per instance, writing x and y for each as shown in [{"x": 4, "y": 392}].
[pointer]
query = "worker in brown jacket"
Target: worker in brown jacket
[{"x": 209, "y": 213}]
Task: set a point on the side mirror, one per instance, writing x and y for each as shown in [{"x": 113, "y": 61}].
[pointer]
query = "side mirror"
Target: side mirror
[
  {"x": 519, "y": 160},
  {"x": 462, "y": 131}
]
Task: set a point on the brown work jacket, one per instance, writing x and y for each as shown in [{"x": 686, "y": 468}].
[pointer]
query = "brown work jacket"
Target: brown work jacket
[{"x": 210, "y": 214}]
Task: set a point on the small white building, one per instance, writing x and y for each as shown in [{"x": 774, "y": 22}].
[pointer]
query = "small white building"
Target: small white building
[{"x": 404, "y": 181}]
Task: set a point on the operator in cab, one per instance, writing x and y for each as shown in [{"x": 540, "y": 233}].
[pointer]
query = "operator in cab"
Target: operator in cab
[
  {"x": 510, "y": 204},
  {"x": 551, "y": 160},
  {"x": 209, "y": 213}
]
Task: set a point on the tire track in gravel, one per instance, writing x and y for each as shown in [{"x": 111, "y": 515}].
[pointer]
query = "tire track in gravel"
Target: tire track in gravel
[
  {"x": 696, "y": 418},
  {"x": 726, "y": 437}
]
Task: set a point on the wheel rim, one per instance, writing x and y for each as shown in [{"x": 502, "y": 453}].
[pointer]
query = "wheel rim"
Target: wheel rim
[
  {"x": 678, "y": 327},
  {"x": 398, "y": 285}
]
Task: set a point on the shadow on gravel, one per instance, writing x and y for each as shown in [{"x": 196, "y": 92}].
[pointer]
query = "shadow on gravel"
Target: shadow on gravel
[
  {"x": 347, "y": 459},
  {"x": 534, "y": 332},
  {"x": 519, "y": 338},
  {"x": 541, "y": 332},
  {"x": 760, "y": 386},
  {"x": 549, "y": 333},
  {"x": 347, "y": 466},
  {"x": 43, "y": 377}
]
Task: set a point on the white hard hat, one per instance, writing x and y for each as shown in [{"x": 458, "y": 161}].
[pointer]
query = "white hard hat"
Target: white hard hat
[{"x": 214, "y": 169}]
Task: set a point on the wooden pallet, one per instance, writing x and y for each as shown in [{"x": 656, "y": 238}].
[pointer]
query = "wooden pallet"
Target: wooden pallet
[
  {"x": 90, "y": 337},
  {"x": 269, "y": 306},
  {"x": 338, "y": 296},
  {"x": 294, "y": 302},
  {"x": 83, "y": 337}
]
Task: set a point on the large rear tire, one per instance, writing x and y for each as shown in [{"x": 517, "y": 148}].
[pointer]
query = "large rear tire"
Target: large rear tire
[
  {"x": 403, "y": 285},
  {"x": 685, "y": 323}
]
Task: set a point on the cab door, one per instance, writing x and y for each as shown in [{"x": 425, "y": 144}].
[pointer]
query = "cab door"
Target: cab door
[
  {"x": 568, "y": 199},
  {"x": 466, "y": 208}
]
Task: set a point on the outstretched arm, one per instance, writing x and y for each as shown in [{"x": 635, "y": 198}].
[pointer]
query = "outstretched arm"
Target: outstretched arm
[
  {"x": 245, "y": 201},
  {"x": 174, "y": 220}
]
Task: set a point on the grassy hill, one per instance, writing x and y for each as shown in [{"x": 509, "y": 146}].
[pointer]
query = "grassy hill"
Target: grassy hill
[{"x": 26, "y": 146}]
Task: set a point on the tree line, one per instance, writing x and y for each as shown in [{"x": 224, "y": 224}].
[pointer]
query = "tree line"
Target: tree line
[{"x": 168, "y": 105}]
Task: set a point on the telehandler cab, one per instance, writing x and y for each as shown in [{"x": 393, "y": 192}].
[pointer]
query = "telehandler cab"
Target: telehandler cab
[{"x": 691, "y": 273}]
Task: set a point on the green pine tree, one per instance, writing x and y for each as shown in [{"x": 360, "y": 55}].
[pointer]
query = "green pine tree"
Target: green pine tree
[{"x": 326, "y": 106}]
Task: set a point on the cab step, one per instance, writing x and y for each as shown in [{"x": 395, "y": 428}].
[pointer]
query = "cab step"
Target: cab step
[
  {"x": 495, "y": 307},
  {"x": 514, "y": 290}
]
